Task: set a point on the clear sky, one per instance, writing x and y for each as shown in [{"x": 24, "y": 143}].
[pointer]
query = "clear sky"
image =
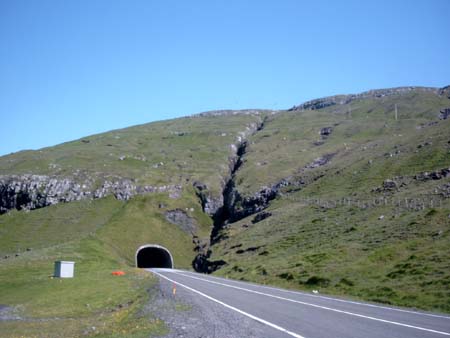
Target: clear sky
[{"x": 69, "y": 69}]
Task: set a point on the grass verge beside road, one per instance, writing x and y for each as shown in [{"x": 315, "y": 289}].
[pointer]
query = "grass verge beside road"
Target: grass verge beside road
[
  {"x": 100, "y": 236},
  {"x": 93, "y": 303}
]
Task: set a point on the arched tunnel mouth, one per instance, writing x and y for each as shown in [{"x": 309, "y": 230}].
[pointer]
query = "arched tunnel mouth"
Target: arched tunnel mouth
[{"x": 153, "y": 256}]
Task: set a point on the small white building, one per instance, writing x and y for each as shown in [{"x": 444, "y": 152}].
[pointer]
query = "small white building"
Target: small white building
[{"x": 64, "y": 269}]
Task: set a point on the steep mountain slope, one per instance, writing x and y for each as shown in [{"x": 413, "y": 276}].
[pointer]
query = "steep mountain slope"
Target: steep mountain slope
[
  {"x": 347, "y": 194},
  {"x": 95, "y": 201},
  {"x": 359, "y": 201}
]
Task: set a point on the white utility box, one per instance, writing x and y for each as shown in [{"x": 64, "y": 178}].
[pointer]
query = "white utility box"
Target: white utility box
[{"x": 64, "y": 269}]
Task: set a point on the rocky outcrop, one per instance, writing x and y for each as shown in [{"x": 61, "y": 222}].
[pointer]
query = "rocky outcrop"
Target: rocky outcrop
[
  {"x": 216, "y": 206},
  {"x": 345, "y": 99},
  {"x": 231, "y": 206},
  {"x": 444, "y": 114},
  {"x": 228, "y": 112},
  {"x": 445, "y": 91},
  {"x": 326, "y": 131},
  {"x": 182, "y": 220},
  {"x": 239, "y": 207},
  {"x": 390, "y": 185},
  {"x": 37, "y": 191},
  {"x": 433, "y": 175},
  {"x": 393, "y": 185},
  {"x": 236, "y": 206},
  {"x": 319, "y": 161},
  {"x": 321, "y": 103},
  {"x": 396, "y": 183},
  {"x": 202, "y": 264},
  {"x": 210, "y": 204},
  {"x": 261, "y": 216}
]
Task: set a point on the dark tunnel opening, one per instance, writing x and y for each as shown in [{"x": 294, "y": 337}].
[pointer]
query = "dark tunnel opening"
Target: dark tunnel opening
[{"x": 153, "y": 256}]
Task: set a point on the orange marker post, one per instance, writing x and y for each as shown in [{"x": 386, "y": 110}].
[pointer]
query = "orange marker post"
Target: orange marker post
[{"x": 174, "y": 289}]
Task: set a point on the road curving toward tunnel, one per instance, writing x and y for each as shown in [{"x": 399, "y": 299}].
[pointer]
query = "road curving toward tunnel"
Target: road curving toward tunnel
[{"x": 274, "y": 312}]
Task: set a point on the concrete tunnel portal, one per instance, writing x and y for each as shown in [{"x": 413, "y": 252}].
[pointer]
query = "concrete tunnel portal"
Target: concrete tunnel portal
[{"x": 153, "y": 256}]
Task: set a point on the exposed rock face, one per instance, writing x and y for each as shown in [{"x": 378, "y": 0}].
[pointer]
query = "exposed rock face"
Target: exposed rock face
[
  {"x": 320, "y": 161},
  {"x": 445, "y": 91},
  {"x": 210, "y": 204},
  {"x": 320, "y": 103},
  {"x": 202, "y": 264},
  {"x": 426, "y": 125},
  {"x": 433, "y": 175},
  {"x": 238, "y": 207},
  {"x": 398, "y": 182},
  {"x": 213, "y": 204},
  {"x": 223, "y": 208},
  {"x": 182, "y": 220},
  {"x": 326, "y": 131},
  {"x": 231, "y": 206},
  {"x": 37, "y": 191},
  {"x": 389, "y": 185},
  {"x": 261, "y": 216},
  {"x": 231, "y": 112},
  {"x": 345, "y": 99},
  {"x": 444, "y": 114}
]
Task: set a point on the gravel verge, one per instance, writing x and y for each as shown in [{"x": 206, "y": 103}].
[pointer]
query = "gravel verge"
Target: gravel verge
[{"x": 192, "y": 316}]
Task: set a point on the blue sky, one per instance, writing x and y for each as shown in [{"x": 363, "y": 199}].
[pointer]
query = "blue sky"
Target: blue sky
[{"x": 69, "y": 69}]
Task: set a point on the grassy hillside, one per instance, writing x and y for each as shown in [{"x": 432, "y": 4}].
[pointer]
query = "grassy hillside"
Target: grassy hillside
[
  {"x": 93, "y": 303},
  {"x": 100, "y": 236},
  {"x": 168, "y": 152},
  {"x": 355, "y": 215},
  {"x": 363, "y": 130},
  {"x": 335, "y": 231}
]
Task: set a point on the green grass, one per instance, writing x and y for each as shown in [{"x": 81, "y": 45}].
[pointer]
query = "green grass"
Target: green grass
[
  {"x": 100, "y": 236},
  {"x": 189, "y": 148},
  {"x": 348, "y": 250},
  {"x": 72, "y": 307},
  {"x": 337, "y": 252},
  {"x": 286, "y": 145},
  {"x": 58, "y": 223},
  {"x": 142, "y": 222}
]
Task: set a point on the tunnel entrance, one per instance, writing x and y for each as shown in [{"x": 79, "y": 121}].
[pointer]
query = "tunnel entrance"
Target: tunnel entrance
[{"x": 153, "y": 256}]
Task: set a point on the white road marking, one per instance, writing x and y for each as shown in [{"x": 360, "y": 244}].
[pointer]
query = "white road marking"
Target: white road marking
[
  {"x": 328, "y": 298},
  {"x": 293, "y": 334},
  {"x": 316, "y": 306}
]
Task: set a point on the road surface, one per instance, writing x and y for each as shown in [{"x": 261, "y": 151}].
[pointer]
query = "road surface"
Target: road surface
[{"x": 279, "y": 313}]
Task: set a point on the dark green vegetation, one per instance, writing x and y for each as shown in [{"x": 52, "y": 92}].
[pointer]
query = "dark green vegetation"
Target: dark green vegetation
[{"x": 354, "y": 214}]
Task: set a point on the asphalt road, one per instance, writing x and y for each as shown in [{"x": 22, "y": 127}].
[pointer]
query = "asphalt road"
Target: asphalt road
[{"x": 278, "y": 313}]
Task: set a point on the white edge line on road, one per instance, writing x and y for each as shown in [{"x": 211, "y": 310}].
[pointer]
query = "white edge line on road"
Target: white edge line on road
[
  {"x": 327, "y": 298},
  {"x": 231, "y": 307},
  {"x": 316, "y": 306}
]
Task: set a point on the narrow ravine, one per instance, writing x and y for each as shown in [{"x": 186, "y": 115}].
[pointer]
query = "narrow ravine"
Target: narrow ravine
[
  {"x": 224, "y": 214},
  {"x": 228, "y": 213}
]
